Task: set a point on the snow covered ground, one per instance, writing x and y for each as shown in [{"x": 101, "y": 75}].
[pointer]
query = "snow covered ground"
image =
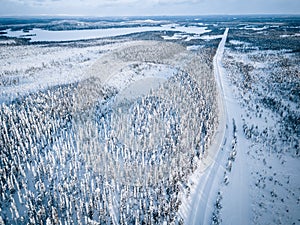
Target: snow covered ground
[
  {"x": 30, "y": 68},
  {"x": 117, "y": 131},
  {"x": 259, "y": 183},
  {"x": 254, "y": 175},
  {"x": 266, "y": 168},
  {"x": 124, "y": 157},
  {"x": 208, "y": 200}
]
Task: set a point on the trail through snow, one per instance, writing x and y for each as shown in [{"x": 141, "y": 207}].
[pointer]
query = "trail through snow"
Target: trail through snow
[
  {"x": 236, "y": 201},
  {"x": 209, "y": 177}
]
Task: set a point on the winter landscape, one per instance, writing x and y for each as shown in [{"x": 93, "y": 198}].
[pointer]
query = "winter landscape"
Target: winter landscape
[{"x": 150, "y": 120}]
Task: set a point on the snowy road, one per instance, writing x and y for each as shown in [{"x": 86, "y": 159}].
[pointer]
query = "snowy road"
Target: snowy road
[
  {"x": 210, "y": 176},
  {"x": 236, "y": 200},
  {"x": 211, "y": 169}
]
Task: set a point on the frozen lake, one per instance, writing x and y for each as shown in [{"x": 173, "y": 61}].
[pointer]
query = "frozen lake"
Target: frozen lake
[{"x": 70, "y": 35}]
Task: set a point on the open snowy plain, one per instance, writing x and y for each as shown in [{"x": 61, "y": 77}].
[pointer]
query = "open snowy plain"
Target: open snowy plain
[{"x": 180, "y": 120}]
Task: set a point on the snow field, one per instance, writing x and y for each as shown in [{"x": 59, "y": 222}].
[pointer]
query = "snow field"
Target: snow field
[
  {"x": 263, "y": 84},
  {"x": 29, "y": 68}
]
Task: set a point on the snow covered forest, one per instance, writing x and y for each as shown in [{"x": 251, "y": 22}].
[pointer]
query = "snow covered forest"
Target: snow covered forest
[
  {"x": 172, "y": 120},
  {"x": 73, "y": 153}
]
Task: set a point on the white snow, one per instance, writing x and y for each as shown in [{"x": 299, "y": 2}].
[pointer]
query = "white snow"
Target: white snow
[
  {"x": 254, "y": 28},
  {"x": 187, "y": 33},
  {"x": 139, "y": 88},
  {"x": 7, "y": 42},
  {"x": 29, "y": 68},
  {"x": 290, "y": 35},
  {"x": 236, "y": 42},
  {"x": 210, "y": 37},
  {"x": 194, "y": 47},
  {"x": 197, "y": 209},
  {"x": 69, "y": 35},
  {"x": 133, "y": 83},
  {"x": 236, "y": 198},
  {"x": 237, "y": 179},
  {"x": 271, "y": 167},
  {"x": 175, "y": 36}
]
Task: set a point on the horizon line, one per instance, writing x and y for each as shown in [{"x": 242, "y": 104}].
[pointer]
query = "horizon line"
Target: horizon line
[{"x": 178, "y": 15}]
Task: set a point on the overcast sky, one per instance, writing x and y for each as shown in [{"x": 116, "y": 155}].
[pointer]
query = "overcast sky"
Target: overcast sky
[{"x": 146, "y": 7}]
